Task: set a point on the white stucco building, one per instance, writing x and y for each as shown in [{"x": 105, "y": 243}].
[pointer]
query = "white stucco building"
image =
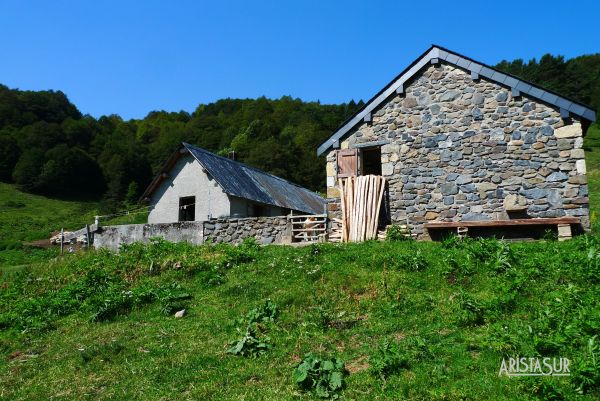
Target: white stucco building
[{"x": 197, "y": 185}]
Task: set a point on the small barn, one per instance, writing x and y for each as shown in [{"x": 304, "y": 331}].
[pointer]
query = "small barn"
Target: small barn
[
  {"x": 197, "y": 185},
  {"x": 465, "y": 147}
]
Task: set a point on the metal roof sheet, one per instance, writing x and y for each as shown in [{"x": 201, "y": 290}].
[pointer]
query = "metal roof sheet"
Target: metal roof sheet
[{"x": 243, "y": 181}]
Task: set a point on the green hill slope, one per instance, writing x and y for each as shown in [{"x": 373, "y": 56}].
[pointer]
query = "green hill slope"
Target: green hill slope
[
  {"x": 101, "y": 326},
  {"x": 25, "y": 217}
]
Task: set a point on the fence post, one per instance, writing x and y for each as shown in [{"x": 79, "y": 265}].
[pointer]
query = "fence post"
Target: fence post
[{"x": 88, "y": 236}]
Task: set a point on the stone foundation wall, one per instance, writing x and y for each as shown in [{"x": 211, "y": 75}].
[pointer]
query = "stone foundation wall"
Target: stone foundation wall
[
  {"x": 454, "y": 148},
  {"x": 266, "y": 230}
]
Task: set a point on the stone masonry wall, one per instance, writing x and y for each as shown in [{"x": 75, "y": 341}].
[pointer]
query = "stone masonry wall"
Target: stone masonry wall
[
  {"x": 266, "y": 230},
  {"x": 456, "y": 148}
]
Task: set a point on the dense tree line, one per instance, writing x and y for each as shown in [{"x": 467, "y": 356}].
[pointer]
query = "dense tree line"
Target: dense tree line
[
  {"x": 47, "y": 146},
  {"x": 577, "y": 78}
]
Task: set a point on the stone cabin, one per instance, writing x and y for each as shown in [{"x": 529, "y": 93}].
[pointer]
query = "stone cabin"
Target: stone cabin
[
  {"x": 197, "y": 185},
  {"x": 460, "y": 141}
]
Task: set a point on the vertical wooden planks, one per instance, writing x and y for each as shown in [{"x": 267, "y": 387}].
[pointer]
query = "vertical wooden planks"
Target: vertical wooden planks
[{"x": 361, "y": 199}]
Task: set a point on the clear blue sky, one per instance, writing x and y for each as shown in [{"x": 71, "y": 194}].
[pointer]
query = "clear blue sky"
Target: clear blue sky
[{"x": 131, "y": 57}]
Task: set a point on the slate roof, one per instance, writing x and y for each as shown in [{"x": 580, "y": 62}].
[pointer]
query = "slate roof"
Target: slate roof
[
  {"x": 243, "y": 181},
  {"x": 436, "y": 53}
]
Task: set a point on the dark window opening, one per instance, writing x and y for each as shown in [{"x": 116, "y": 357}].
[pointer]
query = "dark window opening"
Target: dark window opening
[
  {"x": 371, "y": 161},
  {"x": 187, "y": 208}
]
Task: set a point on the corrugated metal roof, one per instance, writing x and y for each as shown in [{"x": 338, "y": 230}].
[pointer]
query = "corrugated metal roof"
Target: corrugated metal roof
[{"x": 243, "y": 181}]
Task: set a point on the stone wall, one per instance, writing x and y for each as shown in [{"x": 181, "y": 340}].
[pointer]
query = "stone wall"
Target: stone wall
[
  {"x": 266, "y": 230},
  {"x": 455, "y": 149}
]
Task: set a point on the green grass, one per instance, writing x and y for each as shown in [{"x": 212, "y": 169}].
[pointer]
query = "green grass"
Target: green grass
[
  {"x": 449, "y": 315},
  {"x": 453, "y": 312},
  {"x": 592, "y": 159},
  {"x": 26, "y": 217}
]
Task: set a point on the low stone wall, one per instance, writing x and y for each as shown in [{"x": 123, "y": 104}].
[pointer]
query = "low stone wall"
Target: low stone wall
[
  {"x": 266, "y": 230},
  {"x": 112, "y": 237}
]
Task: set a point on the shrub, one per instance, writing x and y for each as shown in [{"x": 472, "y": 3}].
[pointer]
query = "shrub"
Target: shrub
[
  {"x": 245, "y": 252},
  {"x": 267, "y": 312},
  {"x": 251, "y": 344},
  {"x": 387, "y": 360},
  {"x": 172, "y": 298},
  {"x": 323, "y": 376},
  {"x": 457, "y": 267},
  {"x": 398, "y": 233},
  {"x": 495, "y": 254},
  {"x": 412, "y": 262},
  {"x": 454, "y": 241},
  {"x": 587, "y": 370},
  {"x": 471, "y": 311}
]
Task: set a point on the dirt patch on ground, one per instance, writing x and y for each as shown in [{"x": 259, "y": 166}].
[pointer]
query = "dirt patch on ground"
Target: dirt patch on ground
[
  {"x": 42, "y": 243},
  {"x": 371, "y": 292},
  {"x": 358, "y": 365}
]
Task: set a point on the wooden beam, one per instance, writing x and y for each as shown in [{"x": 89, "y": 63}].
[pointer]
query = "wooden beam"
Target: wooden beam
[{"x": 546, "y": 221}]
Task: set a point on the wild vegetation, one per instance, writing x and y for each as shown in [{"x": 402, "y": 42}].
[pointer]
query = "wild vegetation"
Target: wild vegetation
[
  {"x": 397, "y": 320},
  {"x": 379, "y": 320}
]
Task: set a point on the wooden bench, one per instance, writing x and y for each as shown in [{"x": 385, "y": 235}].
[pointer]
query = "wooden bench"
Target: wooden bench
[{"x": 563, "y": 225}]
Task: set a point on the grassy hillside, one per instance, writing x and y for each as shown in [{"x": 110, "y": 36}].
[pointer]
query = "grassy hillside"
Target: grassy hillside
[
  {"x": 410, "y": 321},
  {"x": 25, "y": 217}
]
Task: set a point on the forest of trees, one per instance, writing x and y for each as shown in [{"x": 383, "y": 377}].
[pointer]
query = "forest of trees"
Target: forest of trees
[
  {"x": 48, "y": 147},
  {"x": 577, "y": 78}
]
